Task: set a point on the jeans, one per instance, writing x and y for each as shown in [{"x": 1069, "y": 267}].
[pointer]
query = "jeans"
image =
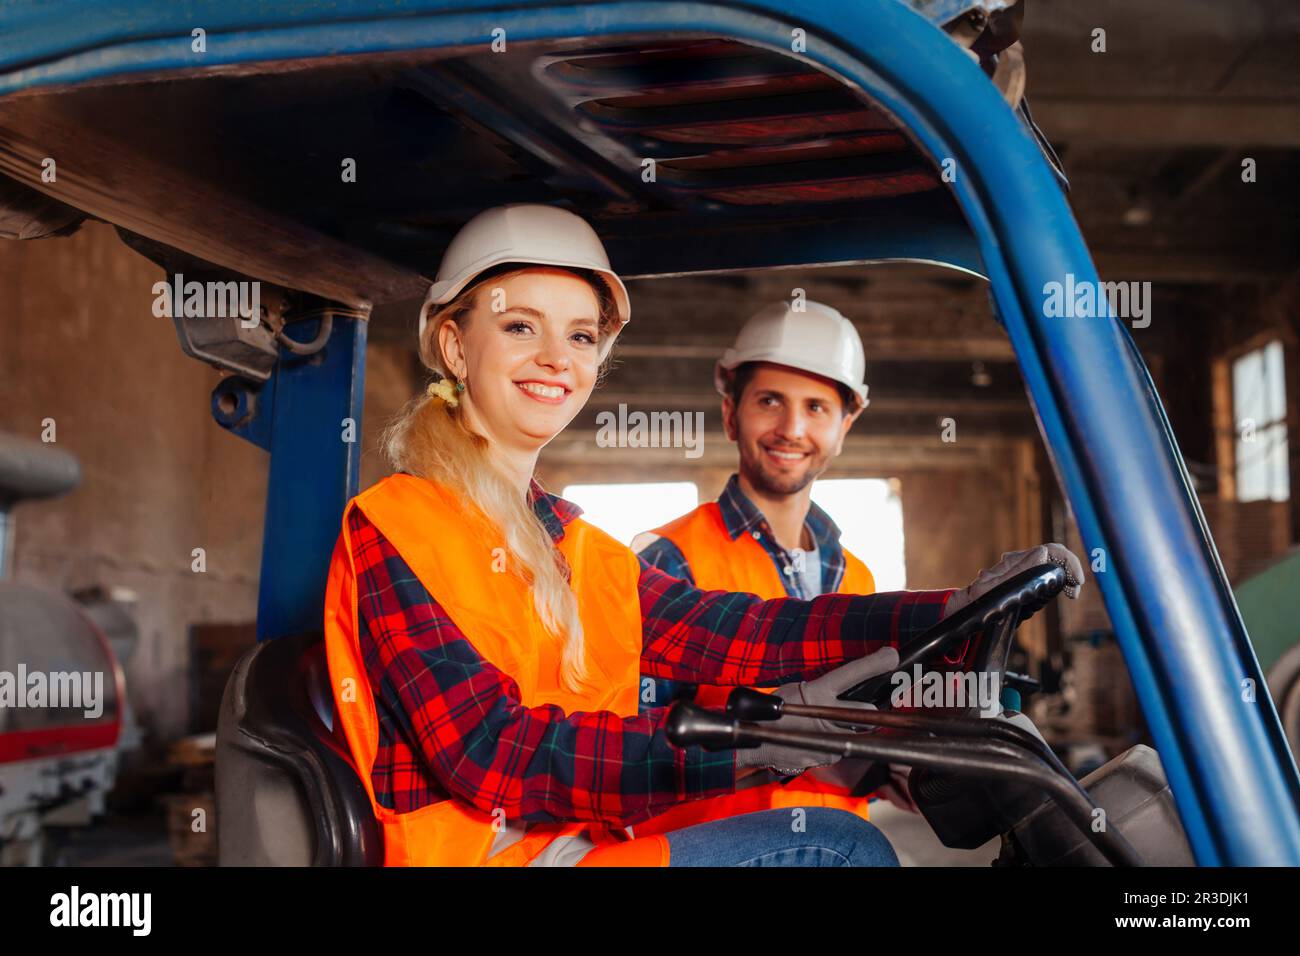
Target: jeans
[{"x": 805, "y": 836}]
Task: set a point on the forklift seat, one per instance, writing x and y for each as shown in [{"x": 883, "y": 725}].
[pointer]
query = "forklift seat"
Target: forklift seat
[{"x": 288, "y": 793}]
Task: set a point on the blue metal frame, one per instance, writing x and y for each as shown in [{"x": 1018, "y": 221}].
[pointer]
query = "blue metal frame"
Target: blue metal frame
[
  {"x": 301, "y": 415},
  {"x": 922, "y": 228},
  {"x": 1232, "y": 774}
]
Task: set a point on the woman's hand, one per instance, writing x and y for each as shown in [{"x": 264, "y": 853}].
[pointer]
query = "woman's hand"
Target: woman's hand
[
  {"x": 1012, "y": 563},
  {"x": 822, "y": 692}
]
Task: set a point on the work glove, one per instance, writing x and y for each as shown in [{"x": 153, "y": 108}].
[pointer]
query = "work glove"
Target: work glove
[
  {"x": 897, "y": 790},
  {"x": 1012, "y": 563},
  {"x": 850, "y": 770},
  {"x": 822, "y": 692}
]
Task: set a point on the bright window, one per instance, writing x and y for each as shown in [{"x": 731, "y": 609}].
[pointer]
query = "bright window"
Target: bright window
[
  {"x": 869, "y": 513},
  {"x": 625, "y": 510},
  {"x": 1259, "y": 412}
]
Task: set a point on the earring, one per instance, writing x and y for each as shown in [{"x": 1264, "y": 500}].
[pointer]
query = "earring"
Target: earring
[{"x": 460, "y": 386}]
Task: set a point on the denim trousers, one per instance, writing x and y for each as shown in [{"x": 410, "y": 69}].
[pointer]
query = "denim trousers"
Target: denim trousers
[{"x": 800, "y": 836}]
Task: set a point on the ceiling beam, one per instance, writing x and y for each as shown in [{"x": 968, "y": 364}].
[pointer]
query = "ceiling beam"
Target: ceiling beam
[
  {"x": 1143, "y": 123},
  {"x": 1194, "y": 268},
  {"x": 650, "y": 399},
  {"x": 891, "y": 348},
  {"x": 122, "y": 184},
  {"x": 866, "y": 455}
]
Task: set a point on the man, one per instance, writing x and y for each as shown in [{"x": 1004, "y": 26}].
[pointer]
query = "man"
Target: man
[{"x": 792, "y": 386}]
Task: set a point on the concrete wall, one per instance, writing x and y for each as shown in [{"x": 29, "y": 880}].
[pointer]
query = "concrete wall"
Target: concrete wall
[
  {"x": 79, "y": 344},
  {"x": 956, "y": 520}
]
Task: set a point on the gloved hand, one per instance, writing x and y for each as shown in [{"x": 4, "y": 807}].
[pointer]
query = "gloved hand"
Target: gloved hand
[
  {"x": 822, "y": 692},
  {"x": 848, "y": 772},
  {"x": 1012, "y": 563},
  {"x": 897, "y": 790}
]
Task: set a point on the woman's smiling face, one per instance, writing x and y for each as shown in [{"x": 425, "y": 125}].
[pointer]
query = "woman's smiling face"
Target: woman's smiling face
[{"x": 529, "y": 353}]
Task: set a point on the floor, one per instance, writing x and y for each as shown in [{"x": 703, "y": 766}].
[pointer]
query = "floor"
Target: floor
[
  {"x": 114, "y": 841},
  {"x": 916, "y": 844},
  {"x": 142, "y": 841}
]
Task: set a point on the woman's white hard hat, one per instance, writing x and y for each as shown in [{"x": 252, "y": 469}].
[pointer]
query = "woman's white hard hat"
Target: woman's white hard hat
[
  {"x": 530, "y": 234},
  {"x": 802, "y": 335}
]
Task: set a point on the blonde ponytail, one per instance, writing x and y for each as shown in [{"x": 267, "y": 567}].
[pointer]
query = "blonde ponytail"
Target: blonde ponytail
[{"x": 431, "y": 439}]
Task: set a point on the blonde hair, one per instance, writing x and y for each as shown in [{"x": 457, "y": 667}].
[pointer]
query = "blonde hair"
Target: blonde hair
[{"x": 431, "y": 439}]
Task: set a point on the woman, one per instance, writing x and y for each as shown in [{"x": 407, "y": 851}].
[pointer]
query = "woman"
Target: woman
[{"x": 485, "y": 643}]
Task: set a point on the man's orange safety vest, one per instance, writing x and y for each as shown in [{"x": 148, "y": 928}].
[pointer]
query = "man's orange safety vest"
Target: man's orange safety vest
[
  {"x": 719, "y": 563},
  {"x": 450, "y": 547}
]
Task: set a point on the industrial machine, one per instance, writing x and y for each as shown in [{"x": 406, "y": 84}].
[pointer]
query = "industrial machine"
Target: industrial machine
[
  {"x": 338, "y": 147},
  {"x": 61, "y": 687},
  {"x": 1270, "y": 605}
]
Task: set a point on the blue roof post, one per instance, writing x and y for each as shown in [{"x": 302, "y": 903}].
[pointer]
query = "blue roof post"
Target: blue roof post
[
  {"x": 315, "y": 469},
  {"x": 308, "y": 416}
]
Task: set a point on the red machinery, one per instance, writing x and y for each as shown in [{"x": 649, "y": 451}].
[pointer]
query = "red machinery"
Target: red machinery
[{"x": 61, "y": 687}]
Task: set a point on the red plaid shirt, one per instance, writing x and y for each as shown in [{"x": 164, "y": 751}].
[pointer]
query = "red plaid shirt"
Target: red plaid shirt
[{"x": 452, "y": 725}]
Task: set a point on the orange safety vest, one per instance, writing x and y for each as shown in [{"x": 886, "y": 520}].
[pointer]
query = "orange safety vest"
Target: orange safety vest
[
  {"x": 719, "y": 563},
  {"x": 450, "y": 547}
]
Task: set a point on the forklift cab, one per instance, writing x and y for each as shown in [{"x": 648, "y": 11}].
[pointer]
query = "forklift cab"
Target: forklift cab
[
  {"x": 343, "y": 145},
  {"x": 286, "y": 767}
]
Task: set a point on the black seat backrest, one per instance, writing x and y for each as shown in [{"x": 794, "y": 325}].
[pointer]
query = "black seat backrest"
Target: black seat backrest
[{"x": 288, "y": 793}]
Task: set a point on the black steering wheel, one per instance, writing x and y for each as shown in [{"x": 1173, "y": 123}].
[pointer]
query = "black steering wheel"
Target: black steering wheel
[{"x": 990, "y": 621}]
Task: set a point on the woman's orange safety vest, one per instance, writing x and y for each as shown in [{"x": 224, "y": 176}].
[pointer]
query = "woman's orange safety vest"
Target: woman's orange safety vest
[
  {"x": 450, "y": 547},
  {"x": 719, "y": 563}
]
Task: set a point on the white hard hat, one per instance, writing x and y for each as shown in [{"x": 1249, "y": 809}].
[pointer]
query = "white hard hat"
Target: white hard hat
[
  {"x": 816, "y": 339},
  {"x": 527, "y": 233}
]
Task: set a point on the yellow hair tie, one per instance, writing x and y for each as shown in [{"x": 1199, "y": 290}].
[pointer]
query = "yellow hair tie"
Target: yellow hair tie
[{"x": 444, "y": 390}]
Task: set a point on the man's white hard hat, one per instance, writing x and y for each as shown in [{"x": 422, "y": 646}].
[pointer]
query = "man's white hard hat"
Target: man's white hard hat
[
  {"x": 526, "y": 233},
  {"x": 802, "y": 335}
]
